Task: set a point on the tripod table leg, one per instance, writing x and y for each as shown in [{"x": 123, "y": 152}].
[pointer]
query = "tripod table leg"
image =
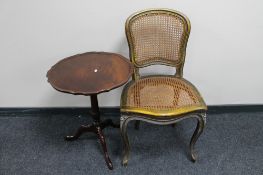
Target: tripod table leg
[{"x": 104, "y": 147}]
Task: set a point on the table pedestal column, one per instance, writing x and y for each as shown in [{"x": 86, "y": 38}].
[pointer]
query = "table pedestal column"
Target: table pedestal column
[{"x": 96, "y": 127}]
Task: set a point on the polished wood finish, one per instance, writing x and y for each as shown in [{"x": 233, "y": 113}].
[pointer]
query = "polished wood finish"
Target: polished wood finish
[{"x": 90, "y": 74}]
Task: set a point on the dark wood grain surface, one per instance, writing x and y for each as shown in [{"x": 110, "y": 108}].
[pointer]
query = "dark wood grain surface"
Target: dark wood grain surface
[{"x": 90, "y": 73}]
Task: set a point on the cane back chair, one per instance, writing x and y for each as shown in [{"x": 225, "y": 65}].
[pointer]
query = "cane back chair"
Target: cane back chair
[{"x": 159, "y": 36}]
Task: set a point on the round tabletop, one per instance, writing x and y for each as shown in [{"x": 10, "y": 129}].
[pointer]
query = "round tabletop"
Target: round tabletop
[{"x": 90, "y": 73}]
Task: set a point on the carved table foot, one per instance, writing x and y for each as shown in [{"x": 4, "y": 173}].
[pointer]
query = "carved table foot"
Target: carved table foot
[
  {"x": 96, "y": 128},
  {"x": 103, "y": 144}
]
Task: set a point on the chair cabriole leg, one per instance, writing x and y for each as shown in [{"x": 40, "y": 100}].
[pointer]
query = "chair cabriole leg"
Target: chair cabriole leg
[
  {"x": 126, "y": 146},
  {"x": 198, "y": 131}
]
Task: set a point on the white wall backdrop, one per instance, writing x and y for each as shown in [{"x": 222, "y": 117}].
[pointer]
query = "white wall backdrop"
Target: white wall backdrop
[{"x": 224, "y": 55}]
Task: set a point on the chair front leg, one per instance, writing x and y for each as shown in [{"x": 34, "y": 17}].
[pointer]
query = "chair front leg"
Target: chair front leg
[
  {"x": 126, "y": 145},
  {"x": 198, "y": 131}
]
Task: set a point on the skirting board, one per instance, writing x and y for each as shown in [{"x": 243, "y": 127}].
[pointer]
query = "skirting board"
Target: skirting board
[{"x": 114, "y": 111}]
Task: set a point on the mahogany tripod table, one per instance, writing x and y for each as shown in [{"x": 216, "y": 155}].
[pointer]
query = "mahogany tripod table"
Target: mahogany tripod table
[{"x": 89, "y": 74}]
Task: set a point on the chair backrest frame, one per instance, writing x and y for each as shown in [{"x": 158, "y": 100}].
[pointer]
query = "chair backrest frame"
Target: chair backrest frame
[{"x": 181, "y": 43}]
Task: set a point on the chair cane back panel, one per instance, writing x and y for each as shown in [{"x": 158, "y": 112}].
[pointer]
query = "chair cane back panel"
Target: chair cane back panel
[
  {"x": 157, "y": 36},
  {"x": 161, "y": 96}
]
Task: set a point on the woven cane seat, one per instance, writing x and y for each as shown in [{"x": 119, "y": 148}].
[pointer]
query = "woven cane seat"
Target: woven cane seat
[{"x": 161, "y": 96}]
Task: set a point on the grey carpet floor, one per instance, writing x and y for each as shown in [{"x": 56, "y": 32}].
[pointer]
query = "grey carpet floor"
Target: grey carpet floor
[{"x": 230, "y": 144}]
